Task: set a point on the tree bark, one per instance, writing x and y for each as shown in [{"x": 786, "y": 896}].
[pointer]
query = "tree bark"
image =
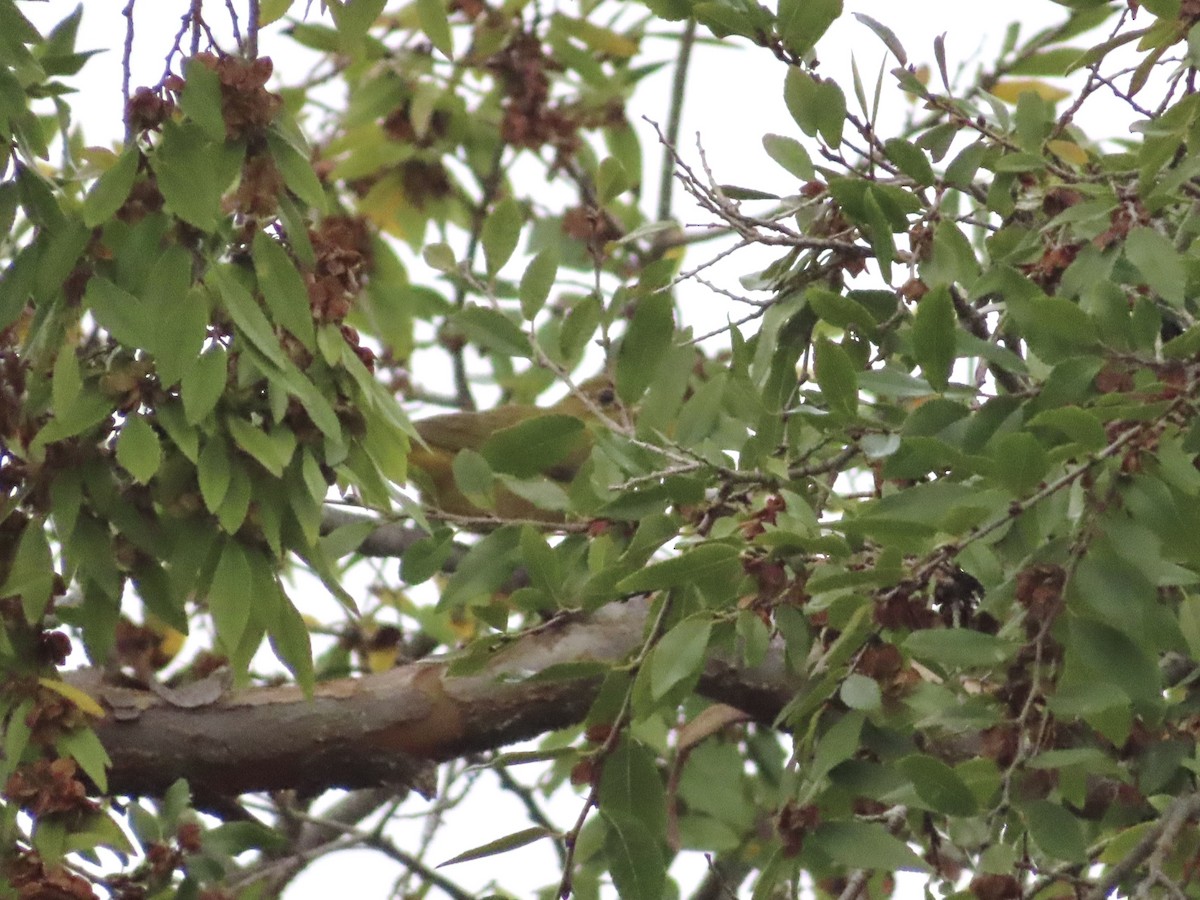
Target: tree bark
[{"x": 389, "y": 728}]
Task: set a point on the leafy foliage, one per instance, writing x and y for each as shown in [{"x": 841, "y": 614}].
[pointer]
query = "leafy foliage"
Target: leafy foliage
[{"x": 921, "y": 516}]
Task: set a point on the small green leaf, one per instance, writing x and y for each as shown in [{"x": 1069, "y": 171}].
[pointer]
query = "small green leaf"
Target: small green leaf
[
  {"x": 703, "y": 562},
  {"x": 631, "y": 787},
  {"x": 473, "y": 476},
  {"x": 31, "y": 572},
  {"x": 201, "y": 99},
  {"x": 436, "y": 25},
  {"x": 837, "y": 377},
  {"x": 248, "y": 317},
  {"x": 82, "y": 745},
  {"x": 493, "y": 330},
  {"x": 802, "y": 22},
  {"x": 836, "y": 745},
  {"x": 911, "y": 160},
  {"x": 501, "y": 845},
  {"x": 790, "y": 154},
  {"x": 111, "y": 189},
  {"x": 66, "y": 381},
  {"x": 440, "y": 257},
  {"x": 229, "y": 595},
  {"x": 501, "y": 232},
  {"x": 537, "y": 282},
  {"x": 887, "y": 36},
  {"x": 939, "y": 785},
  {"x": 957, "y": 647},
  {"x": 865, "y": 845},
  {"x": 283, "y": 289},
  {"x": 645, "y": 345},
  {"x": 635, "y": 860},
  {"x": 1159, "y": 262},
  {"x": 272, "y": 449},
  {"x": 679, "y": 655},
  {"x": 933, "y": 331},
  {"x": 120, "y": 313},
  {"x": 138, "y": 449},
  {"x": 611, "y": 180},
  {"x": 203, "y": 386},
  {"x": 860, "y": 692},
  {"x": 214, "y": 472},
  {"x": 1021, "y": 461},
  {"x": 1056, "y": 832},
  {"x": 297, "y": 170}
]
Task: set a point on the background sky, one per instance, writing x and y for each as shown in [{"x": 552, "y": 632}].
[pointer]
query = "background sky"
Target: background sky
[{"x": 734, "y": 97}]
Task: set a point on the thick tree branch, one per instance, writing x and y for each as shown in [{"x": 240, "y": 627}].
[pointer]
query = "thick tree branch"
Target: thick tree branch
[{"x": 387, "y": 728}]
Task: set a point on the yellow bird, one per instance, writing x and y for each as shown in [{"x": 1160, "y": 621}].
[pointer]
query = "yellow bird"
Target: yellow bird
[{"x": 446, "y": 435}]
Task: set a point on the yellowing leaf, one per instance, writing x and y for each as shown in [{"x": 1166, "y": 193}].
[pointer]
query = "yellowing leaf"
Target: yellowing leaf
[
  {"x": 1068, "y": 151},
  {"x": 79, "y": 697},
  {"x": 1010, "y": 90}
]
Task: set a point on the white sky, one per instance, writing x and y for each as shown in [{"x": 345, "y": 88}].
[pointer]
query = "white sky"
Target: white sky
[{"x": 734, "y": 97}]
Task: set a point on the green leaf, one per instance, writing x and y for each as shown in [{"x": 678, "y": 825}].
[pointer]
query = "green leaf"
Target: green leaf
[
  {"x": 436, "y": 25},
  {"x": 860, "y": 692},
  {"x": 837, "y": 377},
  {"x": 501, "y": 845},
  {"x": 801, "y": 97},
  {"x": 291, "y": 643},
  {"x": 493, "y": 331},
  {"x": 534, "y": 446},
  {"x": 611, "y": 180},
  {"x": 1159, "y": 262},
  {"x": 214, "y": 472},
  {"x": 483, "y": 570},
  {"x": 957, "y": 647},
  {"x": 182, "y": 326},
  {"x": 82, "y": 745},
  {"x": 284, "y": 290},
  {"x": 939, "y": 785},
  {"x": 192, "y": 173},
  {"x": 66, "y": 381},
  {"x": 649, "y": 338},
  {"x": 864, "y": 845},
  {"x": 229, "y": 595},
  {"x": 910, "y": 159},
  {"x": 1056, "y": 832},
  {"x": 1115, "y": 659},
  {"x": 679, "y": 655},
  {"x": 31, "y": 573},
  {"x": 440, "y": 257},
  {"x": 120, "y": 313},
  {"x": 700, "y": 563},
  {"x": 537, "y": 282},
  {"x": 836, "y": 745},
  {"x": 802, "y": 22},
  {"x": 790, "y": 154},
  {"x": 204, "y": 385},
  {"x": 636, "y": 863},
  {"x": 111, "y": 189},
  {"x": 248, "y": 317},
  {"x": 1020, "y": 460},
  {"x": 138, "y": 449},
  {"x": 296, "y": 167},
  {"x": 273, "y": 449},
  {"x": 886, "y": 35},
  {"x": 631, "y": 787},
  {"x": 933, "y": 331},
  {"x": 501, "y": 232},
  {"x": 1079, "y": 425},
  {"x": 201, "y": 99}
]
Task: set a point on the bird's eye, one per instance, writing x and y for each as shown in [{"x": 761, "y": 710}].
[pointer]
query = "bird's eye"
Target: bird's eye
[{"x": 606, "y": 396}]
